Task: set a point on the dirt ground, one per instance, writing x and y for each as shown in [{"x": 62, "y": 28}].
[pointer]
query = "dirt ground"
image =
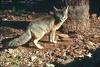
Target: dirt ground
[{"x": 73, "y": 50}]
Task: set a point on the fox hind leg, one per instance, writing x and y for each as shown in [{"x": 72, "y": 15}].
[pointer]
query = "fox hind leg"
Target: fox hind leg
[
  {"x": 36, "y": 43},
  {"x": 37, "y": 39}
]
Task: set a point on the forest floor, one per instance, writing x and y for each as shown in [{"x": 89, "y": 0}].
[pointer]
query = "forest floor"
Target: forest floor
[{"x": 74, "y": 50}]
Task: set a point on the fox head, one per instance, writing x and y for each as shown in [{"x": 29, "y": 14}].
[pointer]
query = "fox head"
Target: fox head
[{"x": 61, "y": 14}]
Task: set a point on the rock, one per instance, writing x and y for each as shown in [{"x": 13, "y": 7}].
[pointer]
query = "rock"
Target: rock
[
  {"x": 64, "y": 54},
  {"x": 96, "y": 36},
  {"x": 90, "y": 45},
  {"x": 11, "y": 51},
  {"x": 60, "y": 60},
  {"x": 33, "y": 58},
  {"x": 49, "y": 65},
  {"x": 29, "y": 64},
  {"x": 89, "y": 55},
  {"x": 5, "y": 50},
  {"x": 63, "y": 35},
  {"x": 40, "y": 61},
  {"x": 80, "y": 37},
  {"x": 68, "y": 60},
  {"x": 4, "y": 19}
]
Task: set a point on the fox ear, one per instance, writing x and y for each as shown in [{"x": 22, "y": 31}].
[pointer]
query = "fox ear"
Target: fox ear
[
  {"x": 65, "y": 9},
  {"x": 55, "y": 8}
]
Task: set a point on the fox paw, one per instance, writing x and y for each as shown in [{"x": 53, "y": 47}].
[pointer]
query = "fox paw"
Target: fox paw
[
  {"x": 39, "y": 46},
  {"x": 55, "y": 42}
]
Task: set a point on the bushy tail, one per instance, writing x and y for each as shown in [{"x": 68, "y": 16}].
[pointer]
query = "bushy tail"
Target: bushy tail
[{"x": 20, "y": 40}]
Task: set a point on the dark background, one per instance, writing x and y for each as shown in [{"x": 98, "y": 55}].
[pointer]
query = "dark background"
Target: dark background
[
  {"x": 43, "y": 5},
  {"x": 95, "y": 6}
]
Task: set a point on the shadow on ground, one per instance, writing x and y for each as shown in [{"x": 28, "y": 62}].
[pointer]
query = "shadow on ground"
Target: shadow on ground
[
  {"x": 94, "y": 61},
  {"x": 14, "y": 24}
]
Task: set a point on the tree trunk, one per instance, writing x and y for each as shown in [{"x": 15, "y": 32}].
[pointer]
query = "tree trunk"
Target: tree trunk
[{"x": 78, "y": 20}]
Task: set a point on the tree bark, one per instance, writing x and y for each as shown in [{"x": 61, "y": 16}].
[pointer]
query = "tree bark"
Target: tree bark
[{"x": 78, "y": 20}]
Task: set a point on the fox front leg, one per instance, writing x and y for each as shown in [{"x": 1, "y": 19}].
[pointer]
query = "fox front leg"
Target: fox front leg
[{"x": 52, "y": 36}]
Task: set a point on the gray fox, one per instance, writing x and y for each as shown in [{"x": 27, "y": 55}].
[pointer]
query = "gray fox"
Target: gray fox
[{"x": 40, "y": 26}]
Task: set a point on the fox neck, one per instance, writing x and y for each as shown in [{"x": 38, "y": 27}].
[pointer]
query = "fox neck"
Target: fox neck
[
  {"x": 63, "y": 20},
  {"x": 58, "y": 25}
]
